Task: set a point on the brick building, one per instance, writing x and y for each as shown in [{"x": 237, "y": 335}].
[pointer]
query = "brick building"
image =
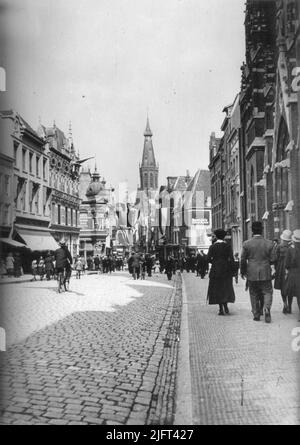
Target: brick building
[
  {"x": 26, "y": 183},
  {"x": 216, "y": 181},
  {"x": 63, "y": 185}
]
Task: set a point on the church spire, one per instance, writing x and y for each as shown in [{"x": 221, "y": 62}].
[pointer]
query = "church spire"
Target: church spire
[
  {"x": 148, "y": 131},
  {"x": 148, "y": 167}
]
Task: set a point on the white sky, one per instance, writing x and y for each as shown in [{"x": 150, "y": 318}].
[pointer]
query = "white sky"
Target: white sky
[{"x": 103, "y": 63}]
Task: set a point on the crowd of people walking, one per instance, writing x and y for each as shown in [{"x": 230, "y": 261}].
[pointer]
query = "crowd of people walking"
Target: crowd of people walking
[{"x": 262, "y": 261}]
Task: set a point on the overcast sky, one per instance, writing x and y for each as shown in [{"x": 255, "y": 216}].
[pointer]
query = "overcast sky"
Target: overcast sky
[{"x": 102, "y": 64}]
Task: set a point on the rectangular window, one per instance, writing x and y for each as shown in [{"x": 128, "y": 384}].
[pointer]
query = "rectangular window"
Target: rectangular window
[
  {"x": 44, "y": 168},
  {"x": 71, "y": 211},
  {"x": 15, "y": 152},
  {"x": 30, "y": 162},
  {"x": 58, "y": 214},
  {"x": 23, "y": 159},
  {"x": 66, "y": 216},
  {"x": 37, "y": 166},
  {"x": 76, "y": 218},
  {"x": 37, "y": 201}
]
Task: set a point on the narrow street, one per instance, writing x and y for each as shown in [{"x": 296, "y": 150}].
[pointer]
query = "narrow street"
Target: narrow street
[
  {"x": 241, "y": 372},
  {"x": 103, "y": 353},
  {"x": 114, "y": 351}
]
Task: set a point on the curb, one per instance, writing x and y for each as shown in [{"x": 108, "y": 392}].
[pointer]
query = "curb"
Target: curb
[{"x": 184, "y": 410}]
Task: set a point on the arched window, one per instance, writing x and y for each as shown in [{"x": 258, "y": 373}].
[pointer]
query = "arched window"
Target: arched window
[
  {"x": 281, "y": 155},
  {"x": 145, "y": 181},
  {"x": 151, "y": 181},
  {"x": 252, "y": 193}
]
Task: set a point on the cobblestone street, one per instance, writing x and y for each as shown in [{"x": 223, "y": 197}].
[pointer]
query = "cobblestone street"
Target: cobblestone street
[
  {"x": 242, "y": 372},
  {"x": 115, "y": 351},
  {"x": 103, "y": 353}
]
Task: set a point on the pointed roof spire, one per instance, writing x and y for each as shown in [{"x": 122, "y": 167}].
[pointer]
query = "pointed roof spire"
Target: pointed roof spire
[
  {"x": 70, "y": 132},
  {"x": 148, "y": 131}
]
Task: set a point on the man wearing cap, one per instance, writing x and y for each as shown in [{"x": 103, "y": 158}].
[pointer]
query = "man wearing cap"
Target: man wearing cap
[
  {"x": 257, "y": 256},
  {"x": 63, "y": 257}
]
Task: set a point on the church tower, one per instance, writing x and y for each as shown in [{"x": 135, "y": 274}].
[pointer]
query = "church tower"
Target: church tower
[{"x": 148, "y": 167}]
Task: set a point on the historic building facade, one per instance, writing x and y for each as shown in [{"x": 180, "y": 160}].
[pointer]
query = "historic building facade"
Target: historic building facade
[
  {"x": 257, "y": 108},
  {"x": 30, "y": 212},
  {"x": 63, "y": 185},
  {"x": 262, "y": 165},
  {"x": 283, "y": 166},
  {"x": 97, "y": 215},
  {"x": 147, "y": 196},
  {"x": 231, "y": 174},
  {"x": 216, "y": 181},
  {"x": 6, "y": 180}
]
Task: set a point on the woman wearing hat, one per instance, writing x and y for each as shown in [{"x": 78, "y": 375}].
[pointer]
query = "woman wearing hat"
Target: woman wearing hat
[
  {"x": 292, "y": 265},
  {"x": 220, "y": 288},
  {"x": 280, "y": 278}
]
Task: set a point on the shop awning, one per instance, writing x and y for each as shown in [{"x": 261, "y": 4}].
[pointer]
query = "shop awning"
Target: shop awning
[
  {"x": 12, "y": 242},
  {"x": 38, "y": 240}
]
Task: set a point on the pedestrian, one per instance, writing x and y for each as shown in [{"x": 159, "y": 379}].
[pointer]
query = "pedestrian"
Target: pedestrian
[
  {"x": 220, "y": 288},
  {"x": 49, "y": 266},
  {"x": 90, "y": 263},
  {"x": 280, "y": 270},
  {"x": 169, "y": 268},
  {"x": 9, "y": 263},
  {"x": 201, "y": 264},
  {"x": 3, "y": 270},
  {"x": 63, "y": 263},
  {"x": 257, "y": 256},
  {"x": 78, "y": 267},
  {"x": 236, "y": 267},
  {"x": 136, "y": 266},
  {"x": 143, "y": 267},
  {"x": 34, "y": 268},
  {"x": 157, "y": 268},
  {"x": 41, "y": 268},
  {"x": 292, "y": 265},
  {"x": 97, "y": 263},
  {"x": 17, "y": 265}
]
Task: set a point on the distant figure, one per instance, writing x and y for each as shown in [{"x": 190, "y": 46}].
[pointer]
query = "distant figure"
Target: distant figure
[
  {"x": 157, "y": 268},
  {"x": 201, "y": 264},
  {"x": 220, "y": 288},
  {"x": 280, "y": 269},
  {"x": 78, "y": 268},
  {"x": 292, "y": 265},
  {"x": 49, "y": 266},
  {"x": 97, "y": 263},
  {"x": 17, "y": 265},
  {"x": 136, "y": 266},
  {"x": 236, "y": 267},
  {"x": 169, "y": 267},
  {"x": 41, "y": 268},
  {"x": 3, "y": 270},
  {"x": 9, "y": 262},
  {"x": 34, "y": 268},
  {"x": 257, "y": 256}
]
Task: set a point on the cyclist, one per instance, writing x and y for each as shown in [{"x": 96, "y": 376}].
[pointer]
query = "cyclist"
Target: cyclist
[{"x": 63, "y": 262}]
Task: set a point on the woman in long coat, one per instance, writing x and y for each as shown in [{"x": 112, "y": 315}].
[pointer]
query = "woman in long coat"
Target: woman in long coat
[
  {"x": 292, "y": 264},
  {"x": 280, "y": 278},
  {"x": 220, "y": 288}
]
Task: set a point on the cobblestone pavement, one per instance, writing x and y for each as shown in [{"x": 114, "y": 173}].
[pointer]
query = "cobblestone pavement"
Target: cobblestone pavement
[
  {"x": 242, "y": 372},
  {"x": 103, "y": 353}
]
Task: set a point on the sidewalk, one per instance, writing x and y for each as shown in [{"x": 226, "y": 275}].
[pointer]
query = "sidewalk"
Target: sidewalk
[{"x": 231, "y": 369}]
